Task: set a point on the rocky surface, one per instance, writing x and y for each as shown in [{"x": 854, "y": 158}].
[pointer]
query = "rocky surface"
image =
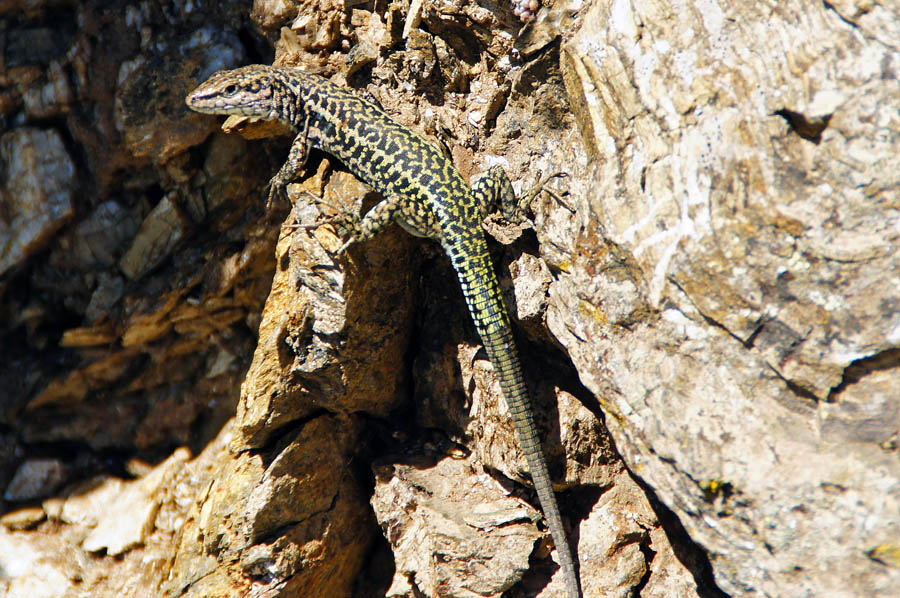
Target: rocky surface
[
  {"x": 733, "y": 299},
  {"x": 706, "y": 305}
]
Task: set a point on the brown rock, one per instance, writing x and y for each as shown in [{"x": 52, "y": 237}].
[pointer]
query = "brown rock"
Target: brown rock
[{"x": 296, "y": 523}]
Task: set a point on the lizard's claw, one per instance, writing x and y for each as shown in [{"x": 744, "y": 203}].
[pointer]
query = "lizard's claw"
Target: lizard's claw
[
  {"x": 277, "y": 190},
  {"x": 344, "y": 247},
  {"x": 347, "y": 226},
  {"x": 346, "y": 223},
  {"x": 541, "y": 187}
]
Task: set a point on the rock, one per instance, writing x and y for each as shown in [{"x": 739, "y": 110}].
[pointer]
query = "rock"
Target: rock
[
  {"x": 714, "y": 282},
  {"x": 453, "y": 532},
  {"x": 316, "y": 338},
  {"x": 22, "y": 518},
  {"x": 764, "y": 244},
  {"x": 51, "y": 97},
  {"x": 29, "y": 572},
  {"x": 40, "y": 181},
  {"x": 149, "y": 103},
  {"x": 128, "y": 517},
  {"x": 160, "y": 232},
  {"x": 138, "y": 520},
  {"x": 35, "y": 478},
  {"x": 298, "y": 523}
]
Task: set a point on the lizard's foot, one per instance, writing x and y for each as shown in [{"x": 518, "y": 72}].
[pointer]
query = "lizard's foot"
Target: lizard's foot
[
  {"x": 347, "y": 224},
  {"x": 541, "y": 187},
  {"x": 277, "y": 191}
]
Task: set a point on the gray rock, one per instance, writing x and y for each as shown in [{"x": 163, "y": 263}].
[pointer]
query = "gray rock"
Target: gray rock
[{"x": 754, "y": 187}]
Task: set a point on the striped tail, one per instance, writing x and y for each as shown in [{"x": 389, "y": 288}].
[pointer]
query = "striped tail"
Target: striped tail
[{"x": 482, "y": 293}]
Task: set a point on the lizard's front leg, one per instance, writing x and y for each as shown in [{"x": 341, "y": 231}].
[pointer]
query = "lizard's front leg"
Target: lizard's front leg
[
  {"x": 376, "y": 220},
  {"x": 291, "y": 169},
  {"x": 492, "y": 189}
]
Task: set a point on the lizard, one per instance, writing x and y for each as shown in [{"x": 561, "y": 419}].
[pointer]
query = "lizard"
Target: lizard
[{"x": 424, "y": 193}]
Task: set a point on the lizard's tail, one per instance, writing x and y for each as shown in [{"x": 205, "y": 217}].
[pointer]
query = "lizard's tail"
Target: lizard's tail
[
  {"x": 482, "y": 293},
  {"x": 502, "y": 351}
]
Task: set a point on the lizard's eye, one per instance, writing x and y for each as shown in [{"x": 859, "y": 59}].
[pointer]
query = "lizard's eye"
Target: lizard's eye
[{"x": 231, "y": 88}]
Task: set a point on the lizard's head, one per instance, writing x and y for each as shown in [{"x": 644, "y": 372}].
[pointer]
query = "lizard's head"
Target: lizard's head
[{"x": 249, "y": 90}]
